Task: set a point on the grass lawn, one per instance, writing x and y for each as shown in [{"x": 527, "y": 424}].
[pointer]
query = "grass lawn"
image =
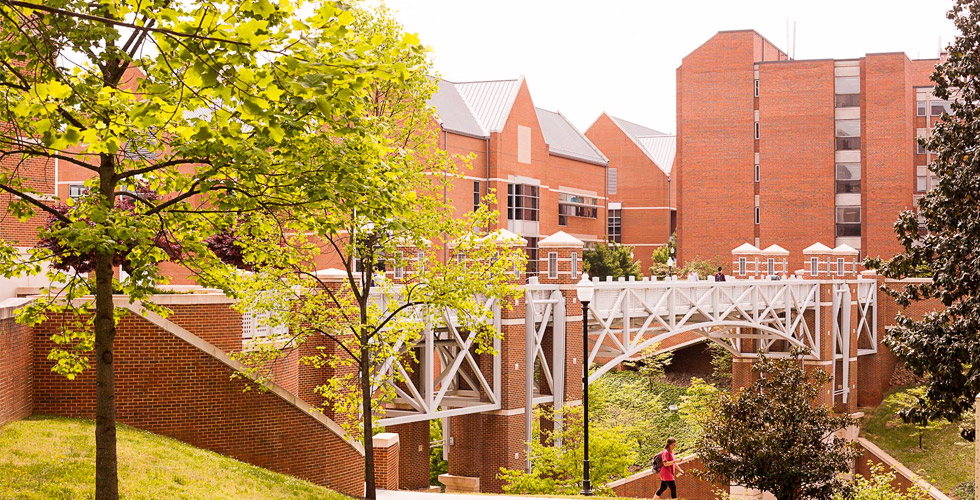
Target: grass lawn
[
  {"x": 47, "y": 457},
  {"x": 945, "y": 458}
]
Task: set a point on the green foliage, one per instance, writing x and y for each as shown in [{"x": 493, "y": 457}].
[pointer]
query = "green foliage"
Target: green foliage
[
  {"x": 698, "y": 405},
  {"x": 721, "y": 364},
  {"x": 660, "y": 255},
  {"x": 556, "y": 457},
  {"x": 43, "y": 458},
  {"x": 703, "y": 267},
  {"x": 879, "y": 487},
  {"x": 437, "y": 464},
  {"x": 965, "y": 490},
  {"x": 610, "y": 259},
  {"x": 948, "y": 241},
  {"x": 770, "y": 436},
  {"x": 901, "y": 402},
  {"x": 642, "y": 411},
  {"x": 650, "y": 364}
]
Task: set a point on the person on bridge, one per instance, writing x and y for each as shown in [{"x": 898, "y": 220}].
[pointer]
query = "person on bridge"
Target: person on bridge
[
  {"x": 670, "y": 466},
  {"x": 719, "y": 276}
]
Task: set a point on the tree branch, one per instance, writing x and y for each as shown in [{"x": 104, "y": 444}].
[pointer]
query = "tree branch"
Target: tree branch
[{"x": 34, "y": 201}]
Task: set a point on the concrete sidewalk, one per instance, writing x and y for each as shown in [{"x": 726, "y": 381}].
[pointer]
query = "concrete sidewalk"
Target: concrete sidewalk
[{"x": 422, "y": 495}]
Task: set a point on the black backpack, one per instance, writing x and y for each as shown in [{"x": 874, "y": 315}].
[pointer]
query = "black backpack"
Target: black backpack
[{"x": 658, "y": 462}]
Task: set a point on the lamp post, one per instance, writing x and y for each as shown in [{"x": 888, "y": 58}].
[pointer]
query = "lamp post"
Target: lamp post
[
  {"x": 585, "y": 290},
  {"x": 670, "y": 266}
]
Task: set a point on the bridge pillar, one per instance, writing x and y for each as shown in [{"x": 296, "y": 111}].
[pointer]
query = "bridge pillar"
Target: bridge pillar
[{"x": 482, "y": 443}]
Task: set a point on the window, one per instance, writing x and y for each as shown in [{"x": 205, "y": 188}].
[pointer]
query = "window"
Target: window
[
  {"x": 848, "y": 221},
  {"x": 840, "y": 266},
  {"x": 574, "y": 260},
  {"x": 940, "y": 107},
  {"x": 420, "y": 265},
  {"x": 532, "y": 256},
  {"x": 76, "y": 191},
  {"x": 757, "y": 215},
  {"x": 757, "y": 177},
  {"x": 614, "y": 227},
  {"x": 847, "y": 85},
  {"x": 553, "y": 265},
  {"x": 848, "y": 143},
  {"x": 476, "y": 195},
  {"x": 924, "y": 179},
  {"x": 756, "y": 130},
  {"x": 848, "y": 178},
  {"x": 571, "y": 205},
  {"x": 611, "y": 180},
  {"x": 814, "y": 266},
  {"x": 742, "y": 265},
  {"x": 847, "y": 100},
  {"x": 399, "y": 271},
  {"x": 522, "y": 202},
  {"x": 920, "y": 149},
  {"x": 920, "y": 108},
  {"x": 757, "y": 87},
  {"x": 770, "y": 266},
  {"x": 848, "y": 133}
]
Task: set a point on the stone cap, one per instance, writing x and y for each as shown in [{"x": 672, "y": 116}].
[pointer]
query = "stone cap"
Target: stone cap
[
  {"x": 331, "y": 274},
  {"x": 746, "y": 248},
  {"x": 384, "y": 440},
  {"x": 561, "y": 239},
  {"x": 775, "y": 250},
  {"x": 817, "y": 248},
  {"x": 844, "y": 249}
]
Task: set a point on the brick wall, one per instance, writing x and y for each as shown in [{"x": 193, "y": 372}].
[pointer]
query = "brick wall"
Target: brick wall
[
  {"x": 413, "y": 454},
  {"x": 16, "y": 376},
  {"x": 644, "y": 484},
  {"x": 168, "y": 386}
]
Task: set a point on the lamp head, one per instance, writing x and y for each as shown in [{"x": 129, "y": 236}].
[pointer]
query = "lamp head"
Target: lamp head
[{"x": 585, "y": 289}]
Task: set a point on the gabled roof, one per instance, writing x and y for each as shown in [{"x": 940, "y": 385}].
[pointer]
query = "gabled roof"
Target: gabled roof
[
  {"x": 560, "y": 239},
  {"x": 564, "y": 139},
  {"x": 775, "y": 250},
  {"x": 490, "y": 100},
  {"x": 845, "y": 249},
  {"x": 659, "y": 147},
  {"x": 745, "y": 248},
  {"x": 453, "y": 112},
  {"x": 817, "y": 248}
]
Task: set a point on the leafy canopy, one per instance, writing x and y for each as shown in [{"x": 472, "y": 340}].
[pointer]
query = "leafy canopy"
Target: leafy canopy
[{"x": 610, "y": 259}]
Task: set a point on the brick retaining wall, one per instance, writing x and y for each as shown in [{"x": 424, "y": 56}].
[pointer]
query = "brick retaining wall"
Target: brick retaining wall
[
  {"x": 644, "y": 484},
  {"x": 16, "y": 376}
]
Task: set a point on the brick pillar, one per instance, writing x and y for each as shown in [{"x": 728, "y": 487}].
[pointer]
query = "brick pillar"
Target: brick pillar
[
  {"x": 875, "y": 370},
  {"x": 413, "y": 454},
  {"x": 385, "y": 448},
  {"x": 483, "y": 443},
  {"x": 825, "y": 396},
  {"x": 560, "y": 263}
]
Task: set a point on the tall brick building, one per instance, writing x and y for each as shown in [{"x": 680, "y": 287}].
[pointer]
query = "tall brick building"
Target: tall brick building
[
  {"x": 772, "y": 150},
  {"x": 642, "y": 198}
]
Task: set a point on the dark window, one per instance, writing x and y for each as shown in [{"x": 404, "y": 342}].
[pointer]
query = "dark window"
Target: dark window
[
  {"x": 757, "y": 87},
  {"x": 940, "y": 107},
  {"x": 570, "y": 205},
  {"x": 848, "y": 221},
  {"x": 848, "y": 178},
  {"x": 920, "y": 108},
  {"x": 848, "y": 143},
  {"x": 476, "y": 195},
  {"x": 522, "y": 202},
  {"x": 615, "y": 226},
  {"x": 532, "y": 256},
  {"x": 757, "y": 177},
  {"x": 76, "y": 191},
  {"x": 756, "y": 130},
  {"x": 757, "y": 215},
  {"x": 847, "y": 100}
]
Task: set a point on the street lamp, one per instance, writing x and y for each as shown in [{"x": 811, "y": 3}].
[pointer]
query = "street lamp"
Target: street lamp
[
  {"x": 670, "y": 266},
  {"x": 585, "y": 290}
]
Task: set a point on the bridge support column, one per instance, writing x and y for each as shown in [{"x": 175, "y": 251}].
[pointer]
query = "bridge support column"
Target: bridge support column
[{"x": 413, "y": 454}]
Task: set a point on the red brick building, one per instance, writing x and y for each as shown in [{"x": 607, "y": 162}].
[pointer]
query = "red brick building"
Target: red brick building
[
  {"x": 546, "y": 175},
  {"x": 642, "y": 197},
  {"x": 778, "y": 151}
]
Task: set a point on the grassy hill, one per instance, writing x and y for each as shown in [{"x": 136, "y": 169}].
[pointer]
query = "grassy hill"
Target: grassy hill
[
  {"x": 55, "y": 458},
  {"x": 945, "y": 460}
]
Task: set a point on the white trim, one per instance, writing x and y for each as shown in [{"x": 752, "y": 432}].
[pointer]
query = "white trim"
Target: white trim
[{"x": 648, "y": 208}]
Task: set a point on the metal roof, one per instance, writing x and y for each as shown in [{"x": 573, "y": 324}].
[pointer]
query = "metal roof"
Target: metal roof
[
  {"x": 661, "y": 149},
  {"x": 490, "y": 100},
  {"x": 564, "y": 139},
  {"x": 453, "y": 112}
]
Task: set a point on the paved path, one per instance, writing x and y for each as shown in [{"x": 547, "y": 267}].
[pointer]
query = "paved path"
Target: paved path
[{"x": 421, "y": 495}]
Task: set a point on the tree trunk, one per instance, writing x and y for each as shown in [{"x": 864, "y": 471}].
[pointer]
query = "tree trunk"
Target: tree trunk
[
  {"x": 106, "y": 465},
  {"x": 369, "y": 486},
  {"x": 106, "y": 479}
]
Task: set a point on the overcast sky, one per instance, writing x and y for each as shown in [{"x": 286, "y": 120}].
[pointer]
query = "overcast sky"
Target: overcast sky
[{"x": 586, "y": 57}]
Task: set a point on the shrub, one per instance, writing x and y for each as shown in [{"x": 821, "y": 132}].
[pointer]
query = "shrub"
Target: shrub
[
  {"x": 879, "y": 487},
  {"x": 610, "y": 259}
]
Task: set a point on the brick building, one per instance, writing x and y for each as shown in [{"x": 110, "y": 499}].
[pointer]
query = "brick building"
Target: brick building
[
  {"x": 546, "y": 175},
  {"x": 772, "y": 150},
  {"x": 642, "y": 199}
]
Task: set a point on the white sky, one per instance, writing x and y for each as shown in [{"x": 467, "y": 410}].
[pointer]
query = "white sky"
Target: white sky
[{"x": 584, "y": 57}]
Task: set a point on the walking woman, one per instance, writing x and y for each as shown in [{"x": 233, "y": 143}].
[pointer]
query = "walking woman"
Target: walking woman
[{"x": 669, "y": 467}]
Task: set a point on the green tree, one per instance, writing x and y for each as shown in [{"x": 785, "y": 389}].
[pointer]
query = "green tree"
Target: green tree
[
  {"x": 879, "y": 487},
  {"x": 659, "y": 267},
  {"x": 903, "y": 401},
  {"x": 437, "y": 464},
  {"x": 771, "y": 437},
  {"x": 610, "y": 259},
  {"x": 721, "y": 364},
  {"x": 186, "y": 115},
  {"x": 948, "y": 240},
  {"x": 650, "y": 364},
  {"x": 556, "y": 460},
  {"x": 698, "y": 404},
  {"x": 387, "y": 206}
]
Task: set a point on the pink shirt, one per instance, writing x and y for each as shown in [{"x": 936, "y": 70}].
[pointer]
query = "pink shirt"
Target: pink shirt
[{"x": 667, "y": 471}]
